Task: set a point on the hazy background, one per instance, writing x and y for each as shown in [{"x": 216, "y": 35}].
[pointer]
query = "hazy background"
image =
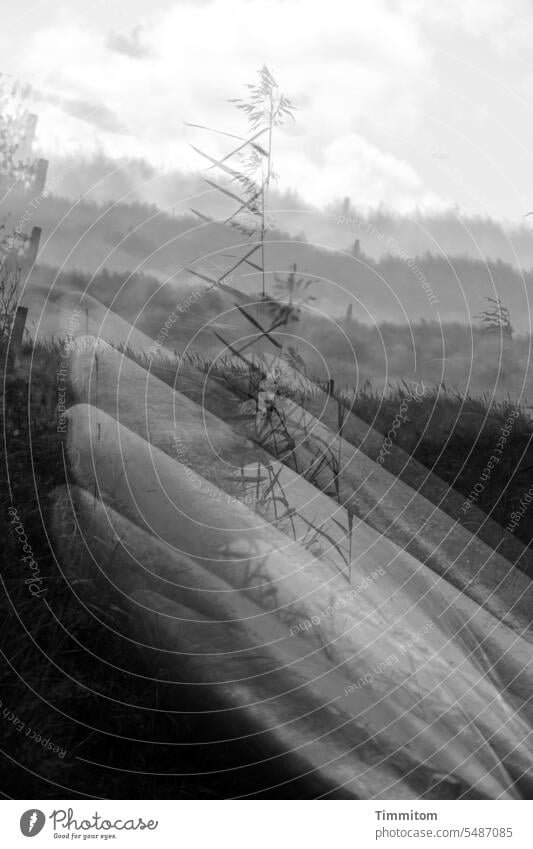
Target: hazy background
[{"x": 409, "y": 160}]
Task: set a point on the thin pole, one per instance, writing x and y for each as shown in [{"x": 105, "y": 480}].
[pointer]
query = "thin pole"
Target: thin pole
[{"x": 264, "y": 193}]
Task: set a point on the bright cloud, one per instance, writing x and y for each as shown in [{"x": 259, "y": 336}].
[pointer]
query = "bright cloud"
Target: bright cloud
[
  {"x": 351, "y": 71},
  {"x": 379, "y": 86}
]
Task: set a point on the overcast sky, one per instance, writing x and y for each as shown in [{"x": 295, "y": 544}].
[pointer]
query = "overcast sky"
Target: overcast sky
[{"x": 410, "y": 104}]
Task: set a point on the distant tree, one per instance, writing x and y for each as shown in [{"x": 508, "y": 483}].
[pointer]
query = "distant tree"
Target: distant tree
[
  {"x": 495, "y": 319},
  {"x": 14, "y": 120},
  {"x": 14, "y": 117}
]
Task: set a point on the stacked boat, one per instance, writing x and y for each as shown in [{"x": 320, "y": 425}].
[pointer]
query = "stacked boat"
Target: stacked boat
[{"x": 332, "y": 614}]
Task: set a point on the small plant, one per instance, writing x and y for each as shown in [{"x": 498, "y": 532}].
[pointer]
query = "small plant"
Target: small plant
[
  {"x": 323, "y": 472},
  {"x": 249, "y": 172},
  {"x": 273, "y": 504},
  {"x": 290, "y": 295},
  {"x": 265, "y": 109},
  {"x": 273, "y": 432},
  {"x": 9, "y": 282}
]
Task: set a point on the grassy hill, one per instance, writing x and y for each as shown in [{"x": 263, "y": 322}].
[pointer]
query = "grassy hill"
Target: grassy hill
[{"x": 402, "y": 283}]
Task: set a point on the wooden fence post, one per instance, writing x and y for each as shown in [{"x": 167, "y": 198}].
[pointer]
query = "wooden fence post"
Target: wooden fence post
[
  {"x": 17, "y": 333},
  {"x": 31, "y": 251},
  {"x": 16, "y": 337}
]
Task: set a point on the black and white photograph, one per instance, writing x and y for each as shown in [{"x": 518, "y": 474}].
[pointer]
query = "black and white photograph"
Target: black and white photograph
[{"x": 266, "y": 499}]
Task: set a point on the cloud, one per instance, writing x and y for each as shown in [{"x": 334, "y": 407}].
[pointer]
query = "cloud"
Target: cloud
[
  {"x": 129, "y": 44},
  {"x": 506, "y": 24},
  {"x": 358, "y": 72},
  {"x": 97, "y": 114},
  {"x": 351, "y": 161}
]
